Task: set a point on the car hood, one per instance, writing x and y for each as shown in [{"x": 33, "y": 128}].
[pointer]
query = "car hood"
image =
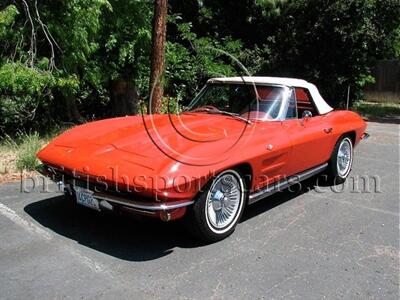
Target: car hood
[{"x": 149, "y": 142}]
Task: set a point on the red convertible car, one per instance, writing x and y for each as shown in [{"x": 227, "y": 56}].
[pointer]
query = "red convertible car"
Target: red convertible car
[{"x": 240, "y": 140}]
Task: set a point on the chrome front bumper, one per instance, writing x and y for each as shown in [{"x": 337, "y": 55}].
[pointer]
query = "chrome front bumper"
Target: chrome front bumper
[
  {"x": 145, "y": 207},
  {"x": 109, "y": 200},
  {"x": 141, "y": 205}
]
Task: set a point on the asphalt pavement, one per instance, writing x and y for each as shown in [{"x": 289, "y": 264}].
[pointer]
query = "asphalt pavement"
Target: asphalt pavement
[{"x": 314, "y": 243}]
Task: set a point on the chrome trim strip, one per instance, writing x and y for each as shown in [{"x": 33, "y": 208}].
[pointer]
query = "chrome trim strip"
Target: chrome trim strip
[
  {"x": 143, "y": 205},
  {"x": 285, "y": 183},
  {"x": 138, "y": 211}
]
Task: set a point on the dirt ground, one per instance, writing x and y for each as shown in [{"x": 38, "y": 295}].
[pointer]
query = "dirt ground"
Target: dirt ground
[{"x": 8, "y": 171}]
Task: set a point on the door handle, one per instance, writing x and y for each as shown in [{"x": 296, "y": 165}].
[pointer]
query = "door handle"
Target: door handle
[{"x": 328, "y": 130}]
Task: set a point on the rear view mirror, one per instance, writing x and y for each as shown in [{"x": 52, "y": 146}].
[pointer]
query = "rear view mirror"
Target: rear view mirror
[{"x": 306, "y": 116}]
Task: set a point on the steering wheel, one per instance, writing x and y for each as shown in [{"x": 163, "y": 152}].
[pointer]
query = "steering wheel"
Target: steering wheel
[
  {"x": 254, "y": 114},
  {"x": 206, "y": 108}
]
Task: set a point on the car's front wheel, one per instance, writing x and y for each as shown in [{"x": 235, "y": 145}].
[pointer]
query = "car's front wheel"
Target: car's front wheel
[
  {"x": 341, "y": 160},
  {"x": 219, "y": 207}
]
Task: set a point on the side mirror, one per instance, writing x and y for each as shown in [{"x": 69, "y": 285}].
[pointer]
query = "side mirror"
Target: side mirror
[{"x": 306, "y": 116}]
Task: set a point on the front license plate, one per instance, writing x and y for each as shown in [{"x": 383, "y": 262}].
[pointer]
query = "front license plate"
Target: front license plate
[{"x": 85, "y": 198}]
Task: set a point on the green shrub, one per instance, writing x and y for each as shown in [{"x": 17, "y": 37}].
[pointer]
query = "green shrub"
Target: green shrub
[
  {"x": 25, "y": 145},
  {"x": 26, "y": 157},
  {"x": 24, "y": 96}
]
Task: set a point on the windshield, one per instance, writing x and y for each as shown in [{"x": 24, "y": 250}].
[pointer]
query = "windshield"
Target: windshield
[{"x": 245, "y": 100}]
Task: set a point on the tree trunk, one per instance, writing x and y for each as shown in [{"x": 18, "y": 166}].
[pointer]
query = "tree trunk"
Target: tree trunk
[
  {"x": 67, "y": 109},
  {"x": 124, "y": 98},
  {"x": 73, "y": 111},
  {"x": 158, "y": 55}
]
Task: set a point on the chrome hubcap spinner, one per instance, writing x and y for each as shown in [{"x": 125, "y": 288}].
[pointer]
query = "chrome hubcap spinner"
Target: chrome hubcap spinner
[{"x": 223, "y": 201}]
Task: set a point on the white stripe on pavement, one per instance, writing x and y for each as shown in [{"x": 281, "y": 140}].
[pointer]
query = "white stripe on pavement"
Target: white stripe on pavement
[{"x": 12, "y": 215}]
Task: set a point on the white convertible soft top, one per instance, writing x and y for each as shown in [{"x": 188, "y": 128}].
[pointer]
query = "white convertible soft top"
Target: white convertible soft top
[{"x": 320, "y": 103}]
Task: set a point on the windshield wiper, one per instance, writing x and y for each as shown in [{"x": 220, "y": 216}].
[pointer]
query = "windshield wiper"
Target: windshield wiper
[
  {"x": 227, "y": 113},
  {"x": 235, "y": 115},
  {"x": 221, "y": 112}
]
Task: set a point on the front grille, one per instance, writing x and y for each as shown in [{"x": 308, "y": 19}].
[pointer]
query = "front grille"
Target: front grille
[{"x": 97, "y": 185}]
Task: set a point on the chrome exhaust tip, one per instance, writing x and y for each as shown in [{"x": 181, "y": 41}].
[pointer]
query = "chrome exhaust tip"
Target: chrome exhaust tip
[
  {"x": 165, "y": 216},
  {"x": 365, "y": 136},
  {"x": 106, "y": 205}
]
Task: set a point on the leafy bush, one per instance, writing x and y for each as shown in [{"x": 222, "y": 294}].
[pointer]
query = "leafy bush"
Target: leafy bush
[
  {"x": 193, "y": 60},
  {"x": 24, "y": 91},
  {"x": 7, "y": 17},
  {"x": 68, "y": 61}
]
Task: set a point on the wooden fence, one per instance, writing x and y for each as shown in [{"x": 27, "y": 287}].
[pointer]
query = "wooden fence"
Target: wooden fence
[{"x": 387, "y": 82}]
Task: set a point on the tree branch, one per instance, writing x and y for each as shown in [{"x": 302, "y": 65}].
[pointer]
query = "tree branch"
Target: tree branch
[
  {"x": 33, "y": 47},
  {"x": 47, "y": 34}
]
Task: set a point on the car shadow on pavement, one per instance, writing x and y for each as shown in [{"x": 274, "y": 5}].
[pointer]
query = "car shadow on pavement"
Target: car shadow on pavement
[
  {"x": 121, "y": 236},
  {"x": 129, "y": 238},
  {"x": 281, "y": 197}
]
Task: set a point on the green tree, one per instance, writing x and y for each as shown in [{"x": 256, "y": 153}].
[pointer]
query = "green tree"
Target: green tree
[
  {"x": 72, "y": 60},
  {"x": 44, "y": 64},
  {"x": 124, "y": 56},
  {"x": 335, "y": 44},
  {"x": 76, "y": 54},
  {"x": 331, "y": 43}
]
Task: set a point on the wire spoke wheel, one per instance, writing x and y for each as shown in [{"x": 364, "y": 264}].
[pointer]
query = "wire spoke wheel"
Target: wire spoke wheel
[
  {"x": 224, "y": 201},
  {"x": 344, "y": 157},
  {"x": 218, "y": 208}
]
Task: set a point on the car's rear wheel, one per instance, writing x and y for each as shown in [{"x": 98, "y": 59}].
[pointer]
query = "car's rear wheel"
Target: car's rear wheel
[
  {"x": 341, "y": 160},
  {"x": 218, "y": 208}
]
